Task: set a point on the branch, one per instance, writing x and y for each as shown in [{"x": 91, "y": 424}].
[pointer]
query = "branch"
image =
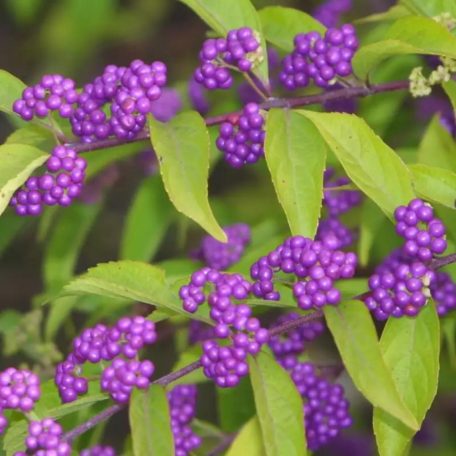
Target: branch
[
  {"x": 443, "y": 261},
  {"x": 339, "y": 94}
]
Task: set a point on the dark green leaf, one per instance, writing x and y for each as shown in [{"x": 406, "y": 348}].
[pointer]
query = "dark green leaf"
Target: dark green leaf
[
  {"x": 410, "y": 348},
  {"x": 437, "y": 148},
  {"x": 10, "y": 225},
  {"x": 182, "y": 147},
  {"x": 354, "y": 333},
  {"x": 17, "y": 162},
  {"x": 147, "y": 221},
  {"x": 150, "y": 422},
  {"x": 14, "y": 437},
  {"x": 280, "y": 25},
  {"x": 296, "y": 155},
  {"x": 279, "y": 407},
  {"x": 373, "y": 166}
]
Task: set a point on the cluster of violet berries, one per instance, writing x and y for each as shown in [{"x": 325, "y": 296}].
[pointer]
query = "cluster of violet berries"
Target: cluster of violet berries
[
  {"x": 321, "y": 59},
  {"x": 331, "y": 230},
  {"x": 241, "y": 139},
  {"x": 44, "y": 438},
  {"x": 98, "y": 450},
  {"x": 120, "y": 344},
  {"x": 239, "y": 50},
  {"x": 221, "y": 255},
  {"x": 401, "y": 284},
  {"x": 330, "y": 12},
  {"x": 19, "y": 390},
  {"x": 59, "y": 185},
  {"x": 54, "y": 92},
  {"x": 182, "y": 405},
  {"x": 315, "y": 266},
  {"x": 225, "y": 364}
]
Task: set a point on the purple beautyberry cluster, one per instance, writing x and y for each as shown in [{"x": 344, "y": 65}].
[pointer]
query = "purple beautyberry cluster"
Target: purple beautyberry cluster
[
  {"x": 293, "y": 342},
  {"x": 334, "y": 234},
  {"x": 338, "y": 202},
  {"x": 199, "y": 332},
  {"x": 128, "y": 91},
  {"x": 443, "y": 291},
  {"x": 98, "y": 450},
  {"x": 182, "y": 405},
  {"x": 399, "y": 286},
  {"x": 240, "y": 50},
  {"x": 101, "y": 343},
  {"x": 197, "y": 96},
  {"x": 330, "y": 12},
  {"x": 321, "y": 59},
  {"x": 222, "y": 255},
  {"x": 44, "y": 438},
  {"x": 326, "y": 410},
  {"x": 60, "y": 185},
  {"x": 242, "y": 139},
  {"x": 54, "y": 92},
  {"x": 424, "y": 234},
  {"x": 315, "y": 266},
  {"x": 19, "y": 389},
  {"x": 225, "y": 364},
  {"x": 122, "y": 376}
]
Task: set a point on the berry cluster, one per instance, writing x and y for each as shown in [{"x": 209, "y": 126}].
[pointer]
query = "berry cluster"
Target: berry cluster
[
  {"x": 293, "y": 342},
  {"x": 19, "y": 389},
  {"x": 424, "y": 234},
  {"x": 242, "y": 139},
  {"x": 240, "y": 50},
  {"x": 329, "y": 12},
  {"x": 197, "y": 97},
  {"x": 225, "y": 364},
  {"x": 129, "y": 91},
  {"x": 101, "y": 343},
  {"x": 122, "y": 376},
  {"x": 326, "y": 410},
  {"x": 182, "y": 404},
  {"x": 334, "y": 234},
  {"x": 44, "y": 438},
  {"x": 315, "y": 266},
  {"x": 320, "y": 59},
  {"x": 340, "y": 201},
  {"x": 399, "y": 286},
  {"x": 443, "y": 291},
  {"x": 61, "y": 183},
  {"x": 220, "y": 255},
  {"x": 98, "y": 450},
  {"x": 54, "y": 92}
]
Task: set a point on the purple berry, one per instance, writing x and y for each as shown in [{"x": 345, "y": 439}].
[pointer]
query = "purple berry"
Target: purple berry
[
  {"x": 98, "y": 450},
  {"x": 443, "y": 291}
]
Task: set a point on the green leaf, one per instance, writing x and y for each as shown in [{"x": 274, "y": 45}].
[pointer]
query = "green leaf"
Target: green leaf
[
  {"x": 279, "y": 407},
  {"x": 225, "y": 15},
  {"x": 14, "y": 438},
  {"x": 248, "y": 441},
  {"x": 437, "y": 148},
  {"x": 450, "y": 90},
  {"x": 190, "y": 355},
  {"x": 60, "y": 256},
  {"x": 354, "y": 333},
  {"x": 10, "y": 225},
  {"x": 296, "y": 155},
  {"x": 373, "y": 166},
  {"x": 235, "y": 405},
  {"x": 182, "y": 147},
  {"x": 130, "y": 280},
  {"x": 408, "y": 35},
  {"x": 34, "y": 135},
  {"x": 430, "y": 7},
  {"x": 10, "y": 90},
  {"x": 150, "y": 422},
  {"x": 395, "y": 12},
  {"x": 17, "y": 162},
  {"x": 435, "y": 184},
  {"x": 411, "y": 349},
  {"x": 281, "y": 25},
  {"x": 147, "y": 221}
]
